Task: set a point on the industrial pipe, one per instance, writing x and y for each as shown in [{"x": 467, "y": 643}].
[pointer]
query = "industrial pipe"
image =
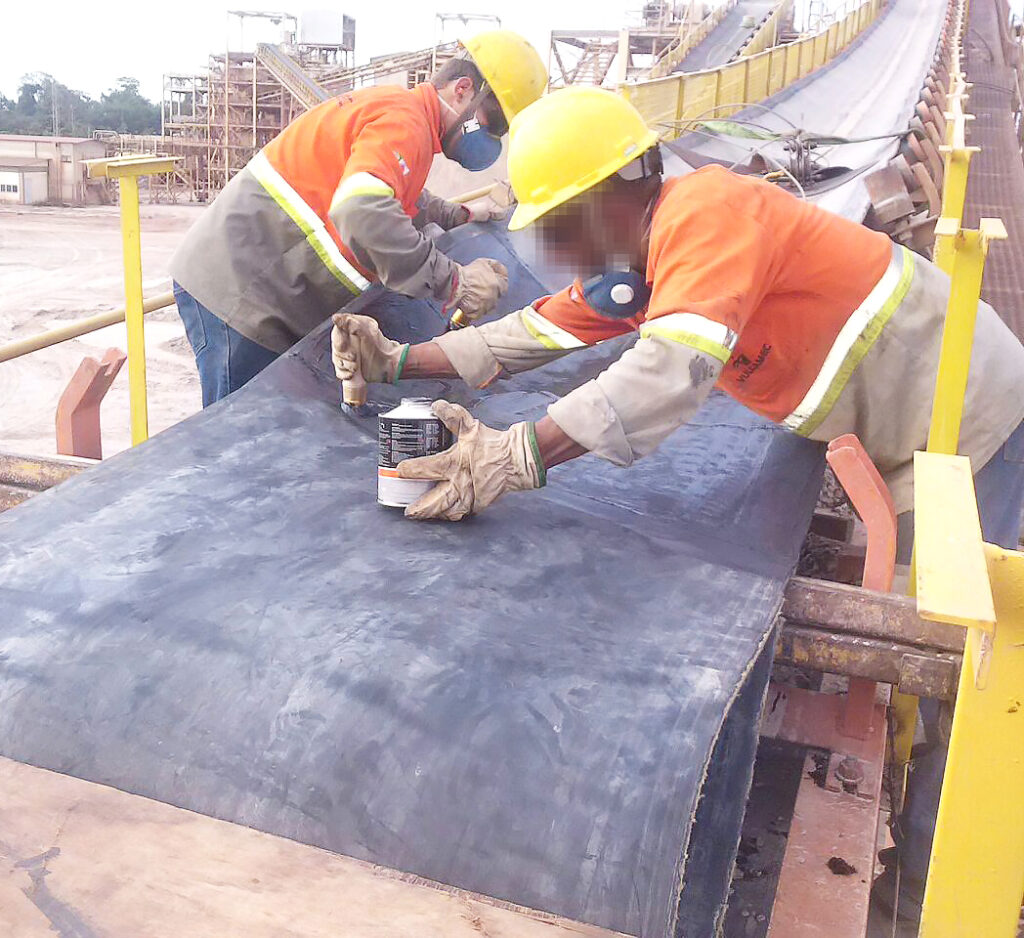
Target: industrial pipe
[{"x": 78, "y": 327}]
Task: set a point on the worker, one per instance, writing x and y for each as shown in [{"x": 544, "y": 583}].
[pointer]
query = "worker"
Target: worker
[
  {"x": 337, "y": 200},
  {"x": 810, "y": 320}
]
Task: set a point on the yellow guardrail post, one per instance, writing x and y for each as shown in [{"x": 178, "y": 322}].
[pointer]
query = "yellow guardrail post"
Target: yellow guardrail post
[
  {"x": 976, "y": 874},
  {"x": 957, "y": 165},
  {"x": 127, "y": 169},
  {"x": 969, "y": 250},
  {"x": 954, "y": 194}
]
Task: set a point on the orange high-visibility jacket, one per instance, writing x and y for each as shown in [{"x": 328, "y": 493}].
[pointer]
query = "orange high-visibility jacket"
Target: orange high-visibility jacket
[
  {"x": 322, "y": 210},
  {"x": 811, "y": 320}
]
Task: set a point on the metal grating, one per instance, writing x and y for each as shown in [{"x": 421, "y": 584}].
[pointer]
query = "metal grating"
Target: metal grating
[{"x": 995, "y": 186}]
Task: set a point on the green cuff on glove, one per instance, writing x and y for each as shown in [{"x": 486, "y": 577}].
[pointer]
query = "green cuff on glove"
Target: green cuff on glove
[{"x": 542, "y": 473}]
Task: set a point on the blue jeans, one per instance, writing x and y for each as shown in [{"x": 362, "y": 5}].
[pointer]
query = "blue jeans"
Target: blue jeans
[
  {"x": 1000, "y": 490},
  {"x": 226, "y": 359}
]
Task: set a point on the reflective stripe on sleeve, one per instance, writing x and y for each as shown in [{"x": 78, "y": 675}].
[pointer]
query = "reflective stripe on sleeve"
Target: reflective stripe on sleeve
[
  {"x": 854, "y": 341},
  {"x": 360, "y": 184},
  {"x": 694, "y": 330},
  {"x": 309, "y": 222},
  {"x": 547, "y": 333}
]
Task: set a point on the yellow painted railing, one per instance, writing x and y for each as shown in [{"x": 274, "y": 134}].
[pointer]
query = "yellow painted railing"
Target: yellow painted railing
[
  {"x": 669, "y": 104},
  {"x": 945, "y": 429},
  {"x": 126, "y": 170},
  {"x": 767, "y": 35},
  {"x": 976, "y": 874}
]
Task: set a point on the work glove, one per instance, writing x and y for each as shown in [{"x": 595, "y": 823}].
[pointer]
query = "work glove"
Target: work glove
[
  {"x": 358, "y": 347},
  {"x": 477, "y": 287},
  {"x": 481, "y": 466},
  {"x": 484, "y": 210}
]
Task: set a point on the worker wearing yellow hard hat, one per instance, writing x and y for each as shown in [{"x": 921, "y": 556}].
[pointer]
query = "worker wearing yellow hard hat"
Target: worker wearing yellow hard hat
[
  {"x": 811, "y": 320},
  {"x": 337, "y": 201}
]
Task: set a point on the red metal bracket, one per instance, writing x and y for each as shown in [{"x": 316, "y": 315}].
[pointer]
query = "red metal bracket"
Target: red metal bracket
[
  {"x": 78, "y": 411},
  {"x": 870, "y": 496}
]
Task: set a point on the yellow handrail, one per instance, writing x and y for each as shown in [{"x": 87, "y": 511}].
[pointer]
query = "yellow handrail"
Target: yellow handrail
[
  {"x": 127, "y": 169},
  {"x": 672, "y": 102},
  {"x": 78, "y": 327}
]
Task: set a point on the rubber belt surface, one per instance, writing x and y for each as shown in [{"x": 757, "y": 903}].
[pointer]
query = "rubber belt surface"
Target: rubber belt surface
[{"x": 523, "y": 705}]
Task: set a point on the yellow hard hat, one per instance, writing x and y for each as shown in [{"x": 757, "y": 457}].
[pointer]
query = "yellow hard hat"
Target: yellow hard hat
[
  {"x": 511, "y": 67},
  {"x": 567, "y": 142}
]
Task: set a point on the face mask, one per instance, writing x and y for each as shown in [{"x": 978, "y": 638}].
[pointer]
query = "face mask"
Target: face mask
[
  {"x": 618, "y": 294},
  {"x": 474, "y": 148}
]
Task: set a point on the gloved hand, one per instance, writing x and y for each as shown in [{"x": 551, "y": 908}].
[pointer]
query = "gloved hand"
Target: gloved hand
[
  {"x": 358, "y": 347},
  {"x": 478, "y": 287},
  {"x": 481, "y": 466},
  {"x": 484, "y": 210}
]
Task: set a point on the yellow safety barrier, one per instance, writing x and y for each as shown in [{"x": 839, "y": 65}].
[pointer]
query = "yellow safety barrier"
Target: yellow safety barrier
[
  {"x": 976, "y": 874},
  {"x": 946, "y": 413},
  {"x": 671, "y": 102},
  {"x": 127, "y": 169}
]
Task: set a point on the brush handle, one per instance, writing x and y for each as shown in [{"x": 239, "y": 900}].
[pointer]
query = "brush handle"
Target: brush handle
[{"x": 353, "y": 391}]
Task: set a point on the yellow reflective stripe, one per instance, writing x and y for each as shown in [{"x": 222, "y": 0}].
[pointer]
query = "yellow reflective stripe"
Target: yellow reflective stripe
[
  {"x": 360, "y": 184},
  {"x": 309, "y": 223},
  {"x": 854, "y": 341},
  {"x": 547, "y": 333},
  {"x": 690, "y": 329}
]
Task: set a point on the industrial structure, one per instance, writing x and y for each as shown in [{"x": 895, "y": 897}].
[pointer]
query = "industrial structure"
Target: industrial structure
[{"x": 283, "y": 710}]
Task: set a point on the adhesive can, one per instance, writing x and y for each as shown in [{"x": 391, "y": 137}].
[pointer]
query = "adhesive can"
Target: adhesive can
[{"x": 408, "y": 431}]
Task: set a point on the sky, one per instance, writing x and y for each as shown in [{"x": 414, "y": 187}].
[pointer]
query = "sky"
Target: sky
[{"x": 89, "y": 50}]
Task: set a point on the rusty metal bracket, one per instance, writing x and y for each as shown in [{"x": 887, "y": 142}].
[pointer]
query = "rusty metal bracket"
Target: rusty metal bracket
[{"x": 78, "y": 412}]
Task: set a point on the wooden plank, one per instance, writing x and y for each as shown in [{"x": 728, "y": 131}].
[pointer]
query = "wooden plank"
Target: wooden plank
[
  {"x": 86, "y": 860},
  {"x": 952, "y": 576}
]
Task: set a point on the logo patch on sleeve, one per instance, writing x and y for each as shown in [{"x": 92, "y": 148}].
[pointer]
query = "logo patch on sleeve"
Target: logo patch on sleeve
[{"x": 401, "y": 162}]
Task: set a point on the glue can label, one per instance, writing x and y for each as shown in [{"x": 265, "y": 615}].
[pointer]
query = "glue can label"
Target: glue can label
[{"x": 408, "y": 431}]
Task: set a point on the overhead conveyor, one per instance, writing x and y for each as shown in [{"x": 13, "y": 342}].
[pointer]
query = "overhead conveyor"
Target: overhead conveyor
[
  {"x": 553, "y": 705},
  {"x": 729, "y": 36}
]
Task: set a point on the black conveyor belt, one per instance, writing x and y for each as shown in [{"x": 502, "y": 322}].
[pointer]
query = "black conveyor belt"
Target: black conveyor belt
[{"x": 523, "y": 705}]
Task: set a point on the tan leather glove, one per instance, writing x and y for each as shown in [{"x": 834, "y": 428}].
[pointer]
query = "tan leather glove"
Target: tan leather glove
[
  {"x": 484, "y": 210},
  {"x": 478, "y": 287},
  {"x": 481, "y": 466},
  {"x": 358, "y": 347}
]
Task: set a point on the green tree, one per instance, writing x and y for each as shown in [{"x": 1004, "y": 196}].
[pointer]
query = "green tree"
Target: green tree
[{"x": 44, "y": 106}]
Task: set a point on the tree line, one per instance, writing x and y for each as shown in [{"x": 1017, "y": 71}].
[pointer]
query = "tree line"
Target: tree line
[{"x": 44, "y": 106}]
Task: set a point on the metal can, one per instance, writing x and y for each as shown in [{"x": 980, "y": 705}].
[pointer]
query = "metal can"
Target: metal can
[{"x": 408, "y": 431}]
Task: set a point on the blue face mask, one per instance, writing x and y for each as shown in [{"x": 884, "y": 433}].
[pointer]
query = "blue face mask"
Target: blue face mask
[{"x": 474, "y": 149}]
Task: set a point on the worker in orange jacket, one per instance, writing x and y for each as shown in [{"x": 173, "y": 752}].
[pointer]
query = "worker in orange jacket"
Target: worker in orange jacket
[
  {"x": 813, "y": 321},
  {"x": 337, "y": 200}
]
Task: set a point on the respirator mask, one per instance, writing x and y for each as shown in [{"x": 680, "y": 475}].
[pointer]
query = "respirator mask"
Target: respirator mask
[{"x": 474, "y": 142}]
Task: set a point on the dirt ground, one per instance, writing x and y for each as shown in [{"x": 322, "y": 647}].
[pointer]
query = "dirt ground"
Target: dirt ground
[{"x": 60, "y": 264}]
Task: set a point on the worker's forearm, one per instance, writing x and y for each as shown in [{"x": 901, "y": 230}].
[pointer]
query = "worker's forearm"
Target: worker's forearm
[
  {"x": 427, "y": 360},
  {"x": 554, "y": 444}
]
